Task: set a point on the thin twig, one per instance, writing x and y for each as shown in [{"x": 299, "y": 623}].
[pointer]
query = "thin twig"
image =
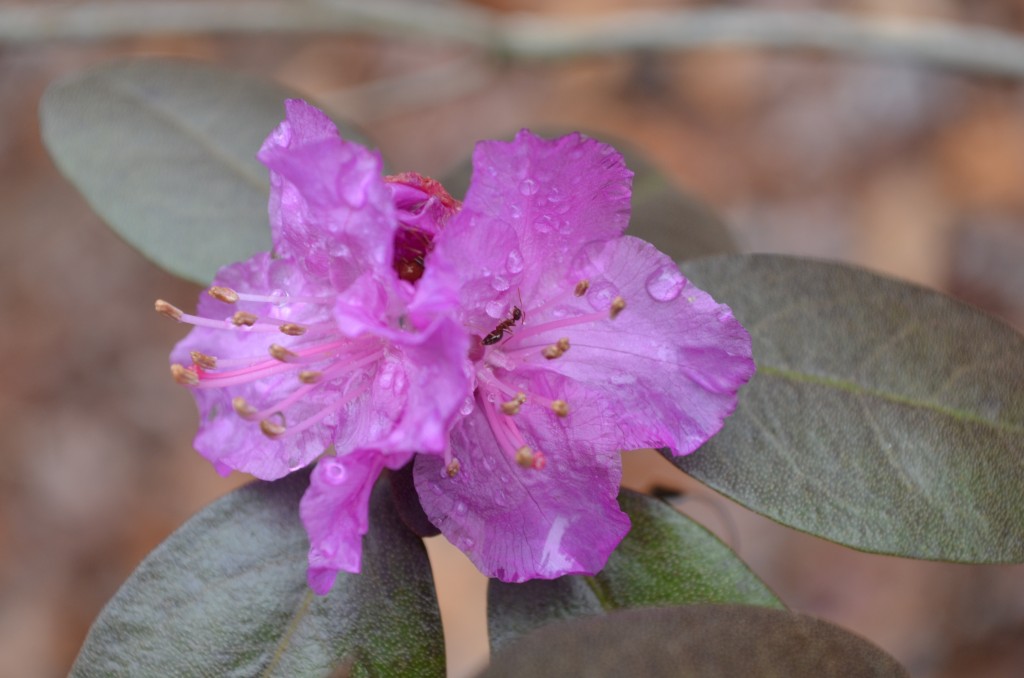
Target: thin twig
[{"x": 977, "y": 50}]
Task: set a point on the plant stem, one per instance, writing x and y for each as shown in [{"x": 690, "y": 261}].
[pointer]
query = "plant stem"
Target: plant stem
[{"x": 934, "y": 43}]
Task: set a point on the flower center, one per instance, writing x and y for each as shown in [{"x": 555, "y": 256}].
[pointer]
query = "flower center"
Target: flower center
[
  {"x": 517, "y": 342},
  {"x": 424, "y": 207}
]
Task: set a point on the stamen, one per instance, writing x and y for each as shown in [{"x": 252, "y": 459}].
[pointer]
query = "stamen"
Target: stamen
[
  {"x": 225, "y": 294},
  {"x": 278, "y": 352},
  {"x": 310, "y": 379},
  {"x": 582, "y": 287},
  {"x": 293, "y": 330},
  {"x": 241, "y": 321},
  {"x": 453, "y": 468},
  {"x": 169, "y": 310},
  {"x": 272, "y": 430},
  {"x": 560, "y": 407},
  {"x": 524, "y": 456},
  {"x": 512, "y": 406},
  {"x": 244, "y": 318},
  {"x": 310, "y": 376},
  {"x": 243, "y": 408},
  {"x": 184, "y": 375},
  {"x": 207, "y": 362},
  {"x": 616, "y": 308},
  {"x": 556, "y": 349}
]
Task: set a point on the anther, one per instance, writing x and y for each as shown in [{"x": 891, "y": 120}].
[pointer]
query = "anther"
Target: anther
[
  {"x": 512, "y": 406},
  {"x": 293, "y": 330},
  {"x": 272, "y": 430},
  {"x": 207, "y": 362},
  {"x": 225, "y": 294},
  {"x": 169, "y": 310},
  {"x": 524, "y": 456},
  {"x": 618, "y": 303},
  {"x": 278, "y": 352},
  {"x": 453, "y": 468},
  {"x": 560, "y": 407},
  {"x": 244, "y": 318},
  {"x": 310, "y": 376},
  {"x": 581, "y": 287},
  {"x": 184, "y": 375},
  {"x": 243, "y": 408},
  {"x": 556, "y": 349}
]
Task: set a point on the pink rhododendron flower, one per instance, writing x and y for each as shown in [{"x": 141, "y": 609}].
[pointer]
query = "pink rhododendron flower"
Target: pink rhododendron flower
[
  {"x": 587, "y": 342},
  {"x": 328, "y": 341},
  {"x": 515, "y": 344}
]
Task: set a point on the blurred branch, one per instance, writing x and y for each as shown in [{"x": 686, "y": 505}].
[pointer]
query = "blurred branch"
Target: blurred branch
[{"x": 978, "y": 50}]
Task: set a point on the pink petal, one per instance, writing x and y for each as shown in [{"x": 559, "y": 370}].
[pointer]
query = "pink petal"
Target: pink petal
[
  {"x": 224, "y": 438},
  {"x": 335, "y": 512},
  {"x": 531, "y": 205},
  {"x": 518, "y": 524},
  {"x": 669, "y": 366},
  {"x": 436, "y": 385},
  {"x": 329, "y": 207}
]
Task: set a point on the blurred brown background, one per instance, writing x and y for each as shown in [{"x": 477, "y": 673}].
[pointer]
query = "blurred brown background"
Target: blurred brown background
[{"x": 914, "y": 172}]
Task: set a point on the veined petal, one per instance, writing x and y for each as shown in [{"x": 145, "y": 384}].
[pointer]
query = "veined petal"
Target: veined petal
[
  {"x": 669, "y": 366},
  {"x": 556, "y": 193},
  {"x": 228, "y": 441},
  {"x": 437, "y": 384},
  {"x": 518, "y": 524},
  {"x": 334, "y": 511},
  {"x": 418, "y": 388},
  {"x": 530, "y": 207},
  {"x": 329, "y": 207}
]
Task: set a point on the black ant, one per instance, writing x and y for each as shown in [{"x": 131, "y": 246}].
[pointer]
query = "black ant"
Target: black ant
[{"x": 504, "y": 326}]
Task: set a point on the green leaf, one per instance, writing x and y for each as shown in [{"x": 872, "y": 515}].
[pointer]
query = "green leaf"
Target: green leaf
[
  {"x": 165, "y": 152},
  {"x": 697, "y": 641},
  {"x": 226, "y": 595},
  {"x": 662, "y": 214},
  {"x": 666, "y": 559},
  {"x": 883, "y": 416}
]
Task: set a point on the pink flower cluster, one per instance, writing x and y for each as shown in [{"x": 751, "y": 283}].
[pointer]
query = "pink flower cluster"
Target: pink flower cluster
[{"x": 509, "y": 346}]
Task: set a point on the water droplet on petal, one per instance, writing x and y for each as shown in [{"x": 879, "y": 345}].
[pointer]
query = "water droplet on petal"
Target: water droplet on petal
[
  {"x": 401, "y": 384},
  {"x": 495, "y": 308},
  {"x": 601, "y": 295},
  {"x": 545, "y": 223},
  {"x": 489, "y": 463},
  {"x": 334, "y": 472},
  {"x": 387, "y": 375},
  {"x": 279, "y": 296},
  {"x": 555, "y": 195},
  {"x": 514, "y": 261},
  {"x": 460, "y": 508},
  {"x": 500, "y": 283},
  {"x": 528, "y": 187},
  {"x": 665, "y": 284},
  {"x": 467, "y": 407},
  {"x": 515, "y": 212}
]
